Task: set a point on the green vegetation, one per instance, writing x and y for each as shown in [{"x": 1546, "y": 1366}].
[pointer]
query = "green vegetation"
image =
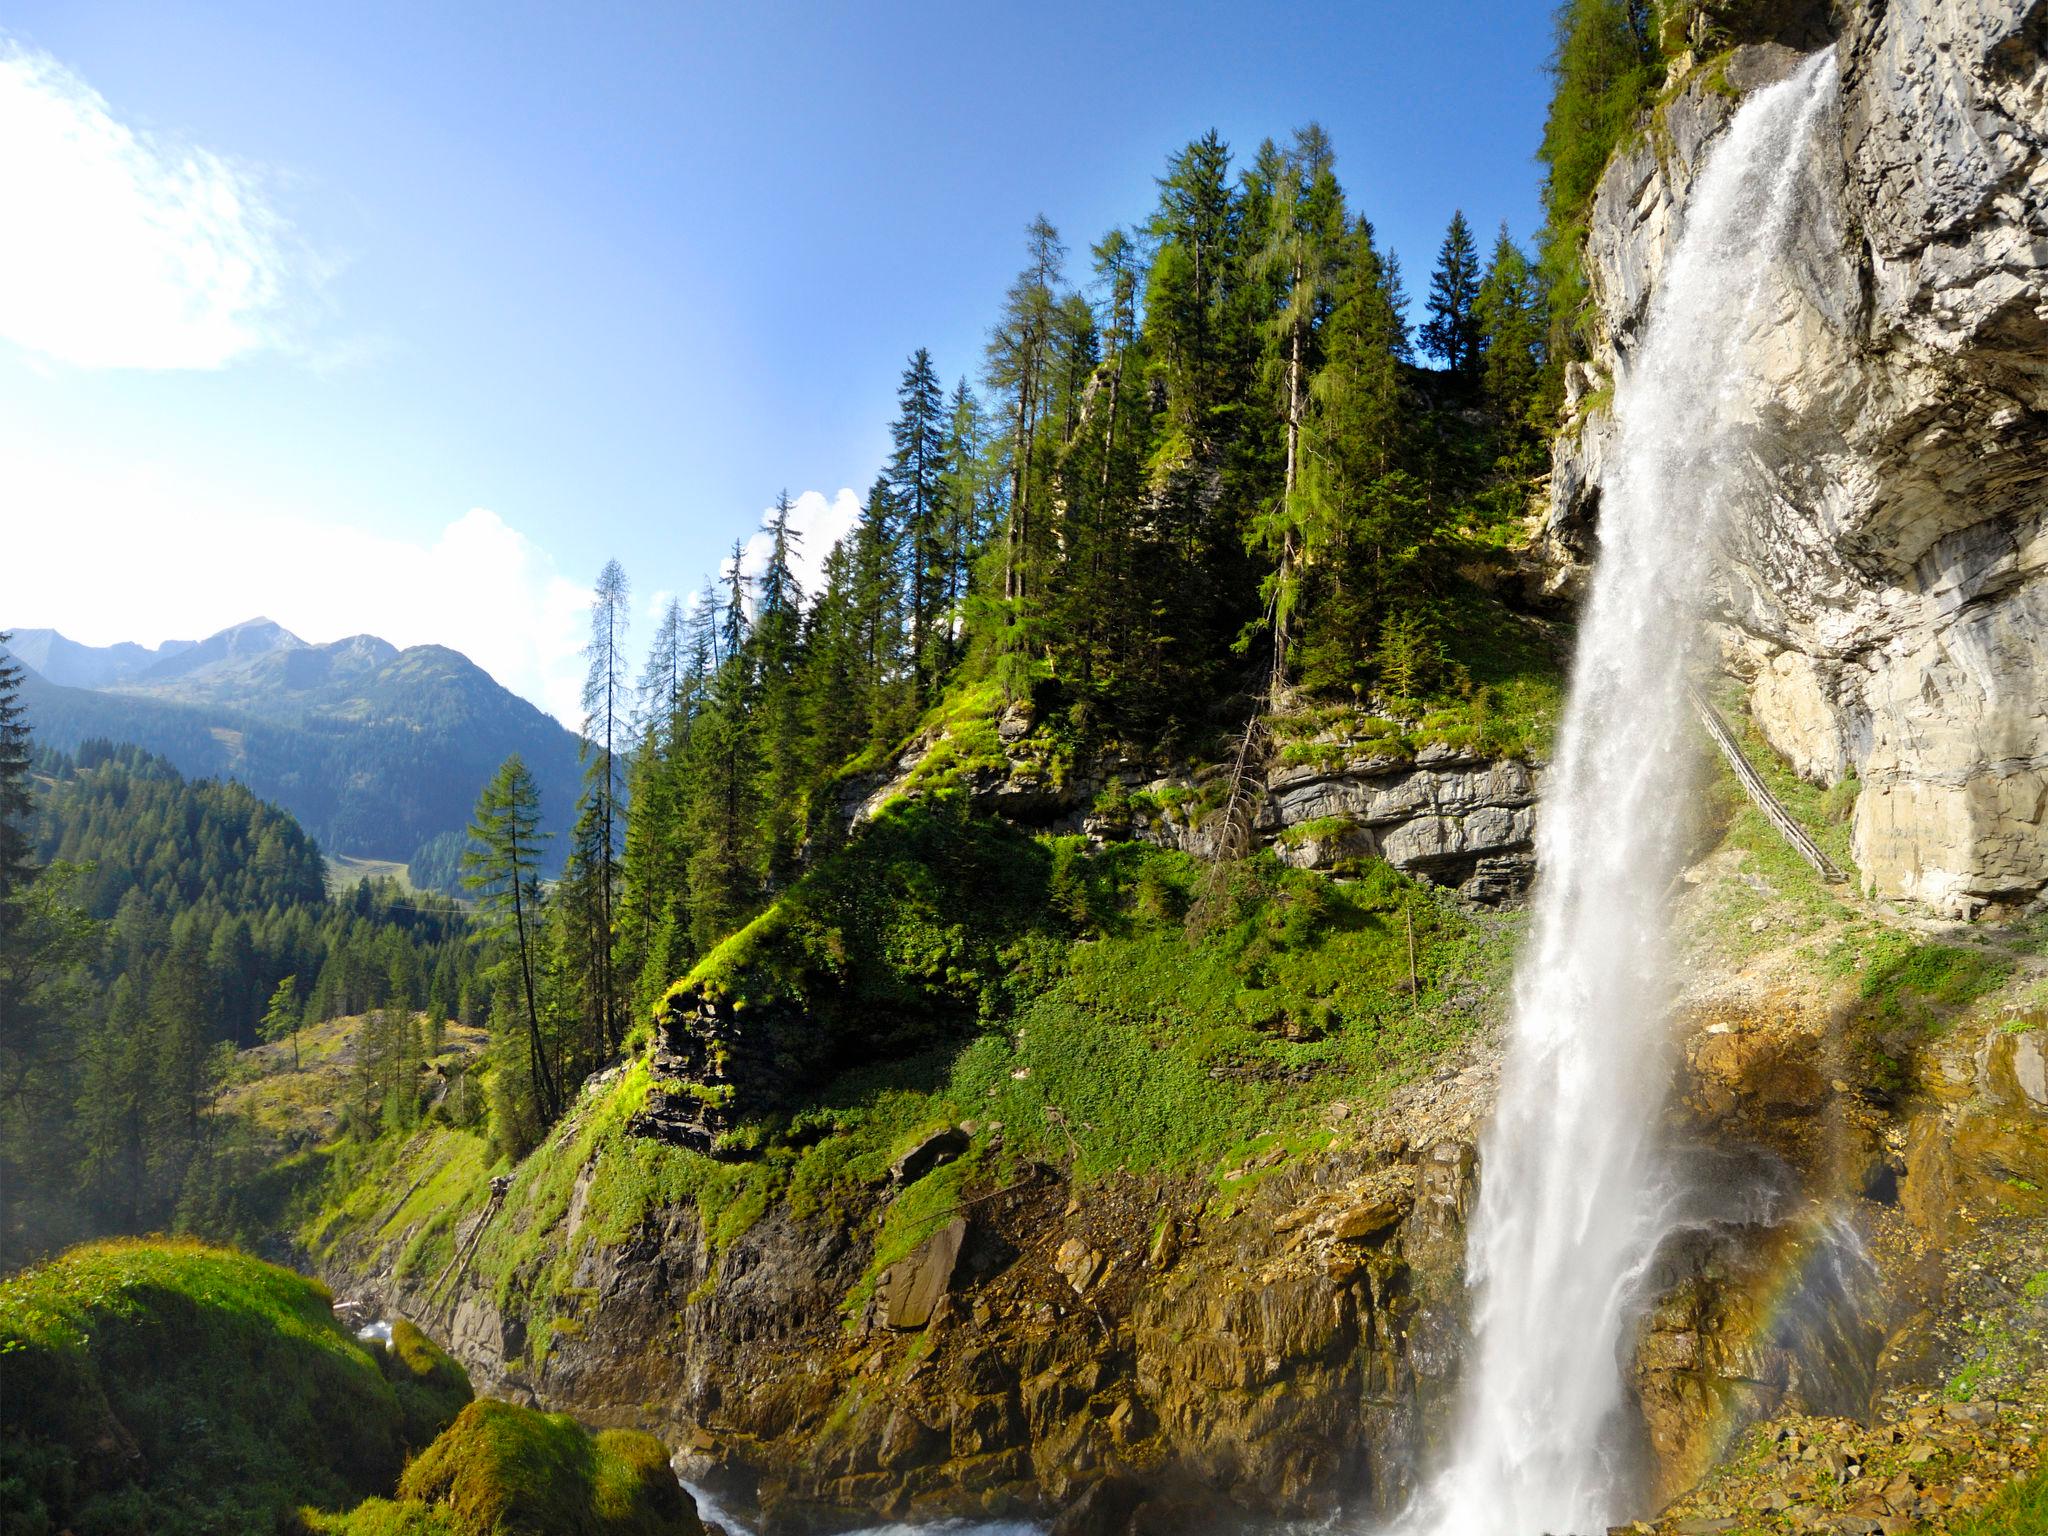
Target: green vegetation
[
  {"x": 2021, "y": 1509},
  {"x": 1607, "y": 65},
  {"x": 160, "y": 1387},
  {"x": 501, "y": 1470},
  {"x": 1122, "y": 1008},
  {"x": 431, "y": 1388},
  {"x": 176, "y": 921},
  {"x": 167, "y": 1387}
]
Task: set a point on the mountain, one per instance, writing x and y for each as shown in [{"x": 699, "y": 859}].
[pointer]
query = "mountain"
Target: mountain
[
  {"x": 89, "y": 666},
  {"x": 378, "y": 751}
]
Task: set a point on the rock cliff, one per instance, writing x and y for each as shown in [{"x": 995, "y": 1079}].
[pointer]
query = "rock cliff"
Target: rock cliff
[
  {"x": 1886, "y": 594},
  {"x": 1455, "y": 815}
]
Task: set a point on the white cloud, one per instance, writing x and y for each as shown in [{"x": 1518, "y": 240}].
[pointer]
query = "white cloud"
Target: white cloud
[
  {"x": 818, "y": 524},
  {"x": 123, "y": 250},
  {"x": 140, "y": 553}
]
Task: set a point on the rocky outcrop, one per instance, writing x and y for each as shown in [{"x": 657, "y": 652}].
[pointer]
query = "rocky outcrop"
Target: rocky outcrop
[
  {"x": 1453, "y": 816},
  {"x": 1887, "y": 587}
]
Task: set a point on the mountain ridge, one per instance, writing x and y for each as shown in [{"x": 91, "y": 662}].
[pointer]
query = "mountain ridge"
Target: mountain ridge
[{"x": 378, "y": 750}]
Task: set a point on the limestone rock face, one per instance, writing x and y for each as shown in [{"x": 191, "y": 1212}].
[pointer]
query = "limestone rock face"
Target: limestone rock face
[{"x": 1886, "y": 589}]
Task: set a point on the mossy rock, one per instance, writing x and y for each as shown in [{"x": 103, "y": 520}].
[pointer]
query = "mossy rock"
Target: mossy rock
[
  {"x": 165, "y": 1386},
  {"x": 432, "y": 1388},
  {"x": 501, "y": 1470}
]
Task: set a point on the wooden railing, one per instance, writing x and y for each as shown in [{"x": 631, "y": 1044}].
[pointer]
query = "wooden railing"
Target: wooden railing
[{"x": 1760, "y": 792}]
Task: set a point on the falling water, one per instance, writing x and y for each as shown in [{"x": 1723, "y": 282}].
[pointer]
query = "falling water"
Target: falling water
[{"x": 1576, "y": 1191}]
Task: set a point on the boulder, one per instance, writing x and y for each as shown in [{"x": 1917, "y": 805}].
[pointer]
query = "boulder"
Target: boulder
[
  {"x": 939, "y": 1147},
  {"x": 910, "y": 1289}
]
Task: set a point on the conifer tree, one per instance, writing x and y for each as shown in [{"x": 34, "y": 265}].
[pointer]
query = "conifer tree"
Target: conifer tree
[
  {"x": 1303, "y": 255},
  {"x": 1019, "y": 358},
  {"x": 1359, "y": 503},
  {"x": 662, "y": 683},
  {"x": 969, "y": 496},
  {"x": 605, "y": 731},
  {"x": 734, "y": 621},
  {"x": 917, "y": 485},
  {"x": 17, "y": 867},
  {"x": 1452, "y": 331},
  {"x": 778, "y": 641},
  {"x": 502, "y": 865},
  {"x": 1604, "y": 64},
  {"x": 1509, "y": 313}
]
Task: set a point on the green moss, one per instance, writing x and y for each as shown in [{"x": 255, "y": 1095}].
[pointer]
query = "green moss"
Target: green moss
[
  {"x": 1115, "y": 1008},
  {"x": 501, "y": 1470},
  {"x": 167, "y": 1386},
  {"x": 431, "y": 1387}
]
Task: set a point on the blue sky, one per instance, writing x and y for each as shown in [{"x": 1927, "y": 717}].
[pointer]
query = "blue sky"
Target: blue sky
[{"x": 405, "y": 318}]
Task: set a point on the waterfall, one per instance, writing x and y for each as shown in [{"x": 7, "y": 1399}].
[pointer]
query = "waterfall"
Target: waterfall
[{"x": 1576, "y": 1192}]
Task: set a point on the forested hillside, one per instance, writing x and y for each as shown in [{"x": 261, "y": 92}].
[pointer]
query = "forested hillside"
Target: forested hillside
[
  {"x": 1218, "y": 468},
  {"x": 374, "y": 750},
  {"x": 171, "y": 923}
]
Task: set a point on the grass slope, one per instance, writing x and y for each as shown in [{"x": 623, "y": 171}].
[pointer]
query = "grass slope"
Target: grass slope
[
  {"x": 164, "y": 1386},
  {"x": 1092, "y": 1009}
]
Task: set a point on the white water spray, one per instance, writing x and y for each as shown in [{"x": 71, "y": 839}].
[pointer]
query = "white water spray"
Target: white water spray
[{"x": 1575, "y": 1192}]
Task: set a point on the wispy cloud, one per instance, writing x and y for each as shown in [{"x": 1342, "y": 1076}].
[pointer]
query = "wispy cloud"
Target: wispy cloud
[{"x": 123, "y": 249}]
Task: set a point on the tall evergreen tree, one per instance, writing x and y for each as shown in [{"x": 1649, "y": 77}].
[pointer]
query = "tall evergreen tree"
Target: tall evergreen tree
[
  {"x": 1604, "y": 64},
  {"x": 17, "y": 868},
  {"x": 917, "y": 471},
  {"x": 606, "y": 727},
  {"x": 1510, "y": 314},
  {"x": 734, "y": 620},
  {"x": 971, "y": 497},
  {"x": 1452, "y": 331},
  {"x": 1019, "y": 363},
  {"x": 1303, "y": 255},
  {"x": 502, "y": 865},
  {"x": 778, "y": 641}
]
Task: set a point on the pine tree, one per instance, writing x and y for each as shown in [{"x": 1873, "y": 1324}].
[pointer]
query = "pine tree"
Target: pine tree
[
  {"x": 605, "y": 732},
  {"x": 778, "y": 642},
  {"x": 502, "y": 865},
  {"x": 969, "y": 496},
  {"x": 1509, "y": 313},
  {"x": 1303, "y": 255},
  {"x": 917, "y": 485},
  {"x": 1452, "y": 331},
  {"x": 663, "y": 681},
  {"x": 1359, "y": 504},
  {"x": 734, "y": 623},
  {"x": 1019, "y": 356},
  {"x": 1605, "y": 63}
]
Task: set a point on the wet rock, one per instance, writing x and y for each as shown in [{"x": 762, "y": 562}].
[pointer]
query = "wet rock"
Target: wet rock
[{"x": 1103, "y": 1508}]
